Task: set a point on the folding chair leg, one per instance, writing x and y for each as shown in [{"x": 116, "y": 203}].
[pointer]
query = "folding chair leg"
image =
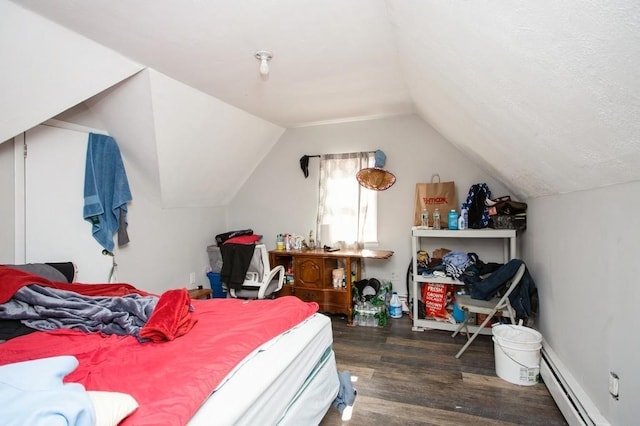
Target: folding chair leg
[
  {"x": 469, "y": 341},
  {"x": 462, "y": 325}
]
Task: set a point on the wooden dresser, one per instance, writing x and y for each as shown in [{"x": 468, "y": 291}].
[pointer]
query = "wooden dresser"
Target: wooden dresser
[{"x": 310, "y": 275}]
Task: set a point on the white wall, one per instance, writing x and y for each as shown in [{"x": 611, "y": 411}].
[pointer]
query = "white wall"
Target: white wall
[
  {"x": 277, "y": 198},
  {"x": 581, "y": 249},
  {"x": 148, "y": 113},
  {"x": 206, "y": 148},
  {"x": 47, "y": 69},
  {"x": 166, "y": 244},
  {"x": 6, "y": 195}
]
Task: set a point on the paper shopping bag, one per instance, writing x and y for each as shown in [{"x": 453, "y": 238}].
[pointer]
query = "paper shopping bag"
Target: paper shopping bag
[{"x": 435, "y": 195}]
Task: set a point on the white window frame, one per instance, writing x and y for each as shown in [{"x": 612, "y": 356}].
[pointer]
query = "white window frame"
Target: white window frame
[{"x": 347, "y": 212}]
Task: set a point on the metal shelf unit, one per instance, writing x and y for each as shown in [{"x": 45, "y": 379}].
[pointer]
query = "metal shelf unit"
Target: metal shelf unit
[{"x": 419, "y": 234}]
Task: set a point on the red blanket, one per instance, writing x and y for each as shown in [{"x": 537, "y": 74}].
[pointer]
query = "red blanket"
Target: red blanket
[
  {"x": 171, "y": 379},
  {"x": 171, "y": 317},
  {"x": 11, "y": 280}
]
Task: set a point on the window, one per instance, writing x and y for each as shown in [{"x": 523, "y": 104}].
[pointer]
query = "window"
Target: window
[{"x": 346, "y": 210}]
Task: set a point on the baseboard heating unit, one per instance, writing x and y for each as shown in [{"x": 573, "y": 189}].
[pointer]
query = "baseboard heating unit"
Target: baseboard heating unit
[{"x": 576, "y": 407}]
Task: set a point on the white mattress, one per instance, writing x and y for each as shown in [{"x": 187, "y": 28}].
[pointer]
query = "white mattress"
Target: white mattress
[{"x": 292, "y": 379}]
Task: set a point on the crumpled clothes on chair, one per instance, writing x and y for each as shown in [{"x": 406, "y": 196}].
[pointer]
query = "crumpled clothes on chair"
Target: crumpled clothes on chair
[
  {"x": 235, "y": 263},
  {"x": 260, "y": 280}
]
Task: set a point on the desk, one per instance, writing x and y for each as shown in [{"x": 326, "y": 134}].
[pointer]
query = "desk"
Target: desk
[{"x": 310, "y": 275}]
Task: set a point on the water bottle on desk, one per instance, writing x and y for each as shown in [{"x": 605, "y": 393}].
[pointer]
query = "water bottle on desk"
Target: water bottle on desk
[{"x": 436, "y": 219}]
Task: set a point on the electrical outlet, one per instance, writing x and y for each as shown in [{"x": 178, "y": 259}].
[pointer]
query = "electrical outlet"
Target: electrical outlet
[
  {"x": 394, "y": 276},
  {"x": 192, "y": 278},
  {"x": 613, "y": 384}
]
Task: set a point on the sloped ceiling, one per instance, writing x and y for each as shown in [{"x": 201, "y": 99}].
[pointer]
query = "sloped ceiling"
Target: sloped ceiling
[
  {"x": 543, "y": 94},
  {"x": 39, "y": 78},
  {"x": 142, "y": 114}
]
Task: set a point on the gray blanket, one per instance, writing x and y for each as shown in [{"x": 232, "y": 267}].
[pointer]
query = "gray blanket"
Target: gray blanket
[{"x": 45, "y": 308}]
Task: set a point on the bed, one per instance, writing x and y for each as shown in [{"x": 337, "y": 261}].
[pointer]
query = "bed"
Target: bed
[{"x": 237, "y": 361}]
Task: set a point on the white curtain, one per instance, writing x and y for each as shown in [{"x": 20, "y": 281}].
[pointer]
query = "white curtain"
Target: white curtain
[{"x": 346, "y": 210}]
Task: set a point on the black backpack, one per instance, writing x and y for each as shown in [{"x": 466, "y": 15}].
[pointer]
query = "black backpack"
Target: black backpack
[{"x": 477, "y": 211}]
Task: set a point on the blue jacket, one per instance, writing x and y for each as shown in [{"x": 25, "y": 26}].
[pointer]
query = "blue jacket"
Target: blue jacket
[{"x": 520, "y": 298}]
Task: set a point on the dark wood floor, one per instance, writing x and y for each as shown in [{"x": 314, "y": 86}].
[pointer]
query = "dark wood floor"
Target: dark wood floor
[{"x": 413, "y": 378}]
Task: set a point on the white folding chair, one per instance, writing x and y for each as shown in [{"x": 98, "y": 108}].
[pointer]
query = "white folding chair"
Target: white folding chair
[{"x": 490, "y": 308}]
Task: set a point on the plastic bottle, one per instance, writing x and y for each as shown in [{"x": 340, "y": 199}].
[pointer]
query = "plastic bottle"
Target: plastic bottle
[
  {"x": 462, "y": 220},
  {"x": 453, "y": 220},
  {"x": 357, "y": 317},
  {"x": 424, "y": 218},
  {"x": 436, "y": 219},
  {"x": 395, "y": 306}
]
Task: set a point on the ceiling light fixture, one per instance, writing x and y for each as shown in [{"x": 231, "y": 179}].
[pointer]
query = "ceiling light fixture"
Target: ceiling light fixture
[{"x": 264, "y": 57}]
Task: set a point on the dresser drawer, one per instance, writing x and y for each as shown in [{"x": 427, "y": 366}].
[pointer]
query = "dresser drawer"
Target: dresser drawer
[{"x": 334, "y": 301}]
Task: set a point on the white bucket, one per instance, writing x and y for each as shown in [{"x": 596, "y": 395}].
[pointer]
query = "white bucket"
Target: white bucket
[{"x": 517, "y": 353}]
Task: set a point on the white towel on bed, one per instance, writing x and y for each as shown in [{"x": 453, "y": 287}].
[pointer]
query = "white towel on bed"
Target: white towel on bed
[{"x": 32, "y": 393}]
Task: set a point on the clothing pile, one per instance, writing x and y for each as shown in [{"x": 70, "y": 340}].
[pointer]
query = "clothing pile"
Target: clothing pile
[
  {"x": 237, "y": 249},
  {"x": 484, "y": 280},
  {"x": 524, "y": 299},
  {"x": 505, "y": 213}
]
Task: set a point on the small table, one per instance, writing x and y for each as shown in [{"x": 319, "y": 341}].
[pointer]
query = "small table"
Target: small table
[{"x": 200, "y": 293}]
